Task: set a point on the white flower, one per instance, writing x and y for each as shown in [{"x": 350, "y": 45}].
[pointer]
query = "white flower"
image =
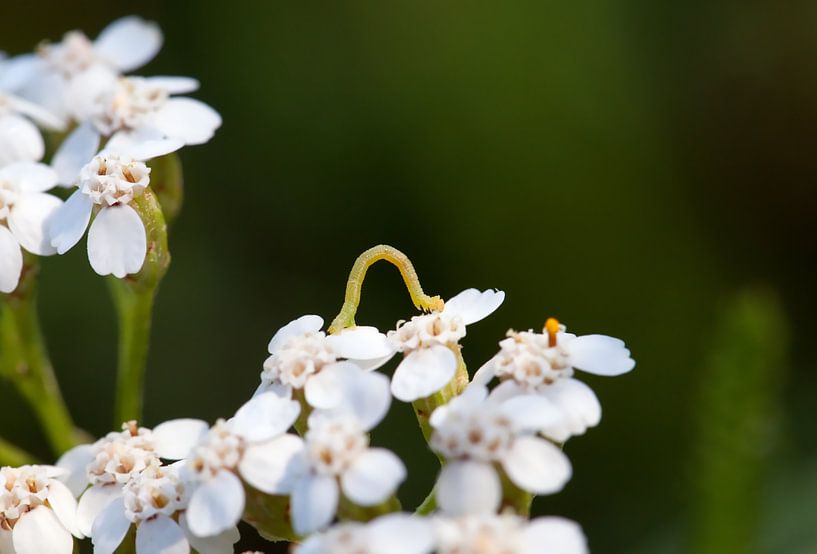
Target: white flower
[
  {"x": 154, "y": 501},
  {"x": 124, "y": 45},
  {"x": 391, "y": 533},
  {"x": 114, "y": 460},
  {"x": 328, "y": 369},
  {"x": 427, "y": 342},
  {"x": 20, "y": 140},
  {"x": 334, "y": 456},
  {"x": 25, "y": 211},
  {"x": 131, "y": 110},
  {"x": 543, "y": 364},
  {"x": 476, "y": 431},
  {"x": 232, "y": 448},
  {"x": 117, "y": 243},
  {"x": 509, "y": 534},
  {"x": 37, "y": 512}
]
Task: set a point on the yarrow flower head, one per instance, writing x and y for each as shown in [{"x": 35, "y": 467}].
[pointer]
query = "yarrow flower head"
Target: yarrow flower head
[
  {"x": 334, "y": 456},
  {"x": 109, "y": 183},
  {"x": 509, "y": 534},
  {"x": 544, "y": 364},
  {"x": 326, "y": 368},
  {"x": 37, "y": 511},
  {"x": 134, "y": 110},
  {"x": 154, "y": 501},
  {"x": 98, "y": 472},
  {"x": 25, "y": 211},
  {"x": 475, "y": 432},
  {"x": 428, "y": 343},
  {"x": 396, "y": 533},
  {"x": 232, "y": 450},
  {"x": 124, "y": 45}
]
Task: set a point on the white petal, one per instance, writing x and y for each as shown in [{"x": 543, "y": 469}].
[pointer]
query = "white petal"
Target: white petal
[
  {"x": 264, "y": 416},
  {"x": 531, "y": 412},
  {"x": 472, "y": 305},
  {"x": 129, "y": 43},
  {"x": 579, "y": 405},
  {"x": 37, "y": 113},
  {"x": 301, "y": 326},
  {"x": 75, "y": 151},
  {"x": 217, "y": 544},
  {"x": 216, "y": 505},
  {"x": 189, "y": 120},
  {"x": 373, "y": 477},
  {"x": 6, "y": 542},
  {"x": 29, "y": 219},
  {"x": 484, "y": 374},
  {"x": 473, "y": 396},
  {"x": 274, "y": 466},
  {"x": 117, "y": 243},
  {"x": 11, "y": 261},
  {"x": 40, "y": 531},
  {"x": 19, "y": 70},
  {"x": 29, "y": 176},
  {"x": 20, "y": 140},
  {"x": 64, "y": 505},
  {"x": 161, "y": 535},
  {"x": 600, "y": 355},
  {"x": 400, "y": 534},
  {"x": 468, "y": 487},
  {"x": 110, "y": 528},
  {"x": 314, "y": 503},
  {"x": 92, "y": 502},
  {"x": 346, "y": 388},
  {"x": 68, "y": 225},
  {"x": 75, "y": 462},
  {"x": 536, "y": 465},
  {"x": 361, "y": 343},
  {"x": 174, "y": 439},
  {"x": 553, "y": 534},
  {"x": 173, "y": 84},
  {"x": 423, "y": 372},
  {"x": 142, "y": 144}
]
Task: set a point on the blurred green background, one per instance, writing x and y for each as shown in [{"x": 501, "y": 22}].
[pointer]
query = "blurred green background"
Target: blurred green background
[{"x": 640, "y": 169}]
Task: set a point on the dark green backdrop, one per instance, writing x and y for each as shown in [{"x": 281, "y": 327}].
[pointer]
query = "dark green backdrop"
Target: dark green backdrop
[{"x": 624, "y": 166}]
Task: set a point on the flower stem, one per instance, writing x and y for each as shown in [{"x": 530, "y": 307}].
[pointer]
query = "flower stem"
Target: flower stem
[
  {"x": 133, "y": 297},
  {"x": 428, "y": 505},
  {"x": 134, "y": 309},
  {"x": 346, "y": 316},
  {"x": 24, "y": 360},
  {"x": 11, "y": 455},
  {"x": 424, "y": 407}
]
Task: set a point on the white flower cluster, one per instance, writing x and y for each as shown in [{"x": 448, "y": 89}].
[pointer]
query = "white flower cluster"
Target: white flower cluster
[
  {"x": 80, "y": 85},
  {"x": 301, "y": 446}
]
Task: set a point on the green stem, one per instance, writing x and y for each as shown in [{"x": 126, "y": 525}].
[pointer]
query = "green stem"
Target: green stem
[
  {"x": 25, "y": 362},
  {"x": 354, "y": 285},
  {"x": 428, "y": 505},
  {"x": 424, "y": 407},
  {"x": 11, "y": 455},
  {"x": 349, "y": 511},
  {"x": 134, "y": 309},
  {"x": 133, "y": 297}
]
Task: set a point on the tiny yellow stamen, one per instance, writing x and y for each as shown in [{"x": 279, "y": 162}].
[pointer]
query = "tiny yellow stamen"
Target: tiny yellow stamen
[{"x": 552, "y": 327}]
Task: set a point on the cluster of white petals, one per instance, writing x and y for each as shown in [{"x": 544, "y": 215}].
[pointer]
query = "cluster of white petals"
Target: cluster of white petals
[
  {"x": 81, "y": 83},
  {"x": 185, "y": 485},
  {"x": 429, "y": 342},
  {"x": 544, "y": 363},
  {"x": 37, "y": 511},
  {"x": 475, "y": 431}
]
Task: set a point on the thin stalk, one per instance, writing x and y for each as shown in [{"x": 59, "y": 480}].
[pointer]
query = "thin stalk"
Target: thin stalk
[
  {"x": 134, "y": 309},
  {"x": 24, "y": 360},
  {"x": 133, "y": 297}
]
